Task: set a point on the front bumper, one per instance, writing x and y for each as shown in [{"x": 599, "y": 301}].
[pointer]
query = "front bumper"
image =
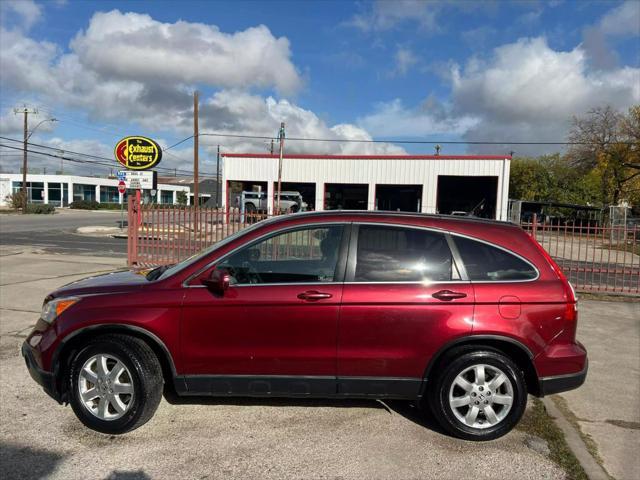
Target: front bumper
[
  {"x": 563, "y": 383},
  {"x": 45, "y": 379}
]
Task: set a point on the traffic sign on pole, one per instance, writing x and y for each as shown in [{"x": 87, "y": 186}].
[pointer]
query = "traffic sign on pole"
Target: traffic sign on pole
[{"x": 122, "y": 187}]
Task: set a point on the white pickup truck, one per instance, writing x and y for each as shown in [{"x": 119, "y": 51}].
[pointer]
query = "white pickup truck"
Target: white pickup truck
[{"x": 256, "y": 202}]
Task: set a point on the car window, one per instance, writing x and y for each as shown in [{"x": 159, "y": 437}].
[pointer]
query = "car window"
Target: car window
[
  {"x": 485, "y": 262},
  {"x": 307, "y": 255},
  {"x": 391, "y": 254}
]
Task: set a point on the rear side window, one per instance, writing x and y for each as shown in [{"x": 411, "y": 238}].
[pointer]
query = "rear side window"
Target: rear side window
[
  {"x": 391, "y": 254},
  {"x": 488, "y": 263}
]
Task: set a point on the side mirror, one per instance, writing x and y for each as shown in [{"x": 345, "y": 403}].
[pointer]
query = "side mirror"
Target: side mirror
[{"x": 218, "y": 282}]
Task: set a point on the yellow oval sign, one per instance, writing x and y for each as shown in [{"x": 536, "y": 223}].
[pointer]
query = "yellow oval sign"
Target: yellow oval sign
[{"x": 138, "y": 153}]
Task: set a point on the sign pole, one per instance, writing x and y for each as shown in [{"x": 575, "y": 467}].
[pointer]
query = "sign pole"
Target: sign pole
[{"x": 122, "y": 188}]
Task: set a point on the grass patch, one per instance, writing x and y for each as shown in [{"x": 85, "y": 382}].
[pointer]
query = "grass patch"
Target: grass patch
[
  {"x": 608, "y": 297},
  {"x": 592, "y": 448},
  {"x": 537, "y": 422}
]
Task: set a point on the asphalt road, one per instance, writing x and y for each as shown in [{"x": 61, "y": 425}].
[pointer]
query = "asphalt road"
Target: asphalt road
[{"x": 56, "y": 233}]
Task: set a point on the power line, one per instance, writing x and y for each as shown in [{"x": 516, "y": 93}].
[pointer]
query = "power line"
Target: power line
[
  {"x": 95, "y": 164},
  {"x": 67, "y": 119},
  {"x": 416, "y": 142},
  {"x": 111, "y": 164},
  {"x": 399, "y": 141}
]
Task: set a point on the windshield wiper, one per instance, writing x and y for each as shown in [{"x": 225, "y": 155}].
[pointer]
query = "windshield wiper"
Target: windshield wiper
[{"x": 157, "y": 272}]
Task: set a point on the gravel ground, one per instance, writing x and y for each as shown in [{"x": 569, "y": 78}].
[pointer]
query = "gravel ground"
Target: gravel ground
[{"x": 209, "y": 438}]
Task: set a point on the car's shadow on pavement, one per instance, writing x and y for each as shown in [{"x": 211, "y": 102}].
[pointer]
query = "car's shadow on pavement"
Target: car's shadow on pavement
[
  {"x": 18, "y": 461},
  {"x": 409, "y": 410}
]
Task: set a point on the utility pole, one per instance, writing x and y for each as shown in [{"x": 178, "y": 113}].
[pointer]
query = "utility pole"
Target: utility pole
[
  {"x": 281, "y": 136},
  {"x": 272, "y": 146},
  {"x": 218, "y": 179},
  {"x": 26, "y": 113},
  {"x": 195, "y": 149}
]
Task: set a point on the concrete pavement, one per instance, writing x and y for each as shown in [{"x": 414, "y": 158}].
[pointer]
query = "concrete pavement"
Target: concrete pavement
[
  {"x": 607, "y": 406},
  {"x": 214, "y": 438}
]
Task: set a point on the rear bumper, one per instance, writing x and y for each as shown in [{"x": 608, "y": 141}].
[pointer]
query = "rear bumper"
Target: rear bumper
[
  {"x": 563, "y": 383},
  {"x": 45, "y": 379}
]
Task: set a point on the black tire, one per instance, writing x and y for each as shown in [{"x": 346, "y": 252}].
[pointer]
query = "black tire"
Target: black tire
[
  {"x": 146, "y": 378},
  {"x": 456, "y": 363}
]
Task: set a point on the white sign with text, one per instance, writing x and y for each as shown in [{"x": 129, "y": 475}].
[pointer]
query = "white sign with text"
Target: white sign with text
[{"x": 136, "y": 180}]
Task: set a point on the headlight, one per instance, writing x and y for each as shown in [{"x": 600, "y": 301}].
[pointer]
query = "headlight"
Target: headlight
[{"x": 54, "y": 308}]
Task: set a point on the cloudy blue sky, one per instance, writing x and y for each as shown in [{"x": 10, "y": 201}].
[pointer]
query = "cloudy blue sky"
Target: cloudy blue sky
[{"x": 398, "y": 70}]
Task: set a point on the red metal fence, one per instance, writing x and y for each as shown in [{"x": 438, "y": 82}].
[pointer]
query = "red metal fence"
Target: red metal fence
[
  {"x": 596, "y": 258},
  {"x": 165, "y": 234}
]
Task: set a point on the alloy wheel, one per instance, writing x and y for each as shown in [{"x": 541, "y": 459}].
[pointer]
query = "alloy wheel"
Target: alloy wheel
[
  {"x": 481, "y": 396},
  {"x": 106, "y": 387}
]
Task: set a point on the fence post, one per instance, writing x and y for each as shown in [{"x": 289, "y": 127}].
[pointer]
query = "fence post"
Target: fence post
[
  {"x": 132, "y": 230},
  {"x": 534, "y": 226}
]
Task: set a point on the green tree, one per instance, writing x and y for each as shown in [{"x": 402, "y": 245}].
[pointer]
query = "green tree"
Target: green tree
[
  {"x": 607, "y": 142},
  {"x": 181, "y": 197}
]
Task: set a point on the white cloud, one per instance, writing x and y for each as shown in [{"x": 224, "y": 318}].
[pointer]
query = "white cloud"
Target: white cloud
[
  {"x": 393, "y": 118},
  {"x": 528, "y": 91},
  {"x": 233, "y": 112},
  {"x": 525, "y": 91},
  {"x": 385, "y": 15},
  {"x": 622, "y": 20},
  {"x": 27, "y": 12},
  {"x": 404, "y": 59},
  {"x": 132, "y": 46},
  {"x": 12, "y": 124}
]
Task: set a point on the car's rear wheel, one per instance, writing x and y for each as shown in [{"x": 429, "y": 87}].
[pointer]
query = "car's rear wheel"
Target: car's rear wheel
[
  {"x": 478, "y": 395},
  {"x": 115, "y": 384}
]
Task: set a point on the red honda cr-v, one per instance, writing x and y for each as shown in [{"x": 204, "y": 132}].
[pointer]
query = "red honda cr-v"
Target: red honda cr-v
[{"x": 469, "y": 315}]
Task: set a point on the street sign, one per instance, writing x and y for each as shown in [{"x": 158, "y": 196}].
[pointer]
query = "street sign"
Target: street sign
[
  {"x": 122, "y": 174},
  {"x": 136, "y": 180},
  {"x": 122, "y": 187}
]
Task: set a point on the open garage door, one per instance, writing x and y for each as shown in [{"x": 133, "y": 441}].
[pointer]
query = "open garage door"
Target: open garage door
[
  {"x": 235, "y": 189},
  {"x": 461, "y": 195},
  {"x": 345, "y": 196},
  {"x": 399, "y": 198},
  {"x": 307, "y": 190}
]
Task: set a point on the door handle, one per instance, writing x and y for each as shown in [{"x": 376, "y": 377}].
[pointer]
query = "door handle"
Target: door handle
[
  {"x": 312, "y": 295},
  {"x": 448, "y": 295}
]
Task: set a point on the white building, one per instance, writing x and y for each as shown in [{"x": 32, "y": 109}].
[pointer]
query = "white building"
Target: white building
[
  {"x": 421, "y": 183},
  {"x": 61, "y": 190}
]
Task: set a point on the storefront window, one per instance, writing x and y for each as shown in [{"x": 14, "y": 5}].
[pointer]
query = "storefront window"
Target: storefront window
[
  {"x": 109, "y": 195},
  {"x": 35, "y": 191},
  {"x": 55, "y": 194},
  {"x": 166, "y": 196},
  {"x": 84, "y": 192}
]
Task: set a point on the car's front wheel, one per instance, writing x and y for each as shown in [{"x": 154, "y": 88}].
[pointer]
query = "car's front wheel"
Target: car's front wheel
[
  {"x": 478, "y": 395},
  {"x": 115, "y": 384}
]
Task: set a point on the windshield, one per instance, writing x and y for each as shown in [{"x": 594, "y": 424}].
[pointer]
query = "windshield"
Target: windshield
[{"x": 187, "y": 262}]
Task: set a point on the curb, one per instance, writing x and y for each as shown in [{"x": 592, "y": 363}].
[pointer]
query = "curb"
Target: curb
[{"x": 592, "y": 468}]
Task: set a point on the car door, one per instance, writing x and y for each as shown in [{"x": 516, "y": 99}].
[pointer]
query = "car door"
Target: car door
[
  {"x": 402, "y": 300},
  {"x": 277, "y": 321}
]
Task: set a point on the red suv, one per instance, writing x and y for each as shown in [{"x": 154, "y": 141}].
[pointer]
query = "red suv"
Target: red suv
[{"x": 464, "y": 316}]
